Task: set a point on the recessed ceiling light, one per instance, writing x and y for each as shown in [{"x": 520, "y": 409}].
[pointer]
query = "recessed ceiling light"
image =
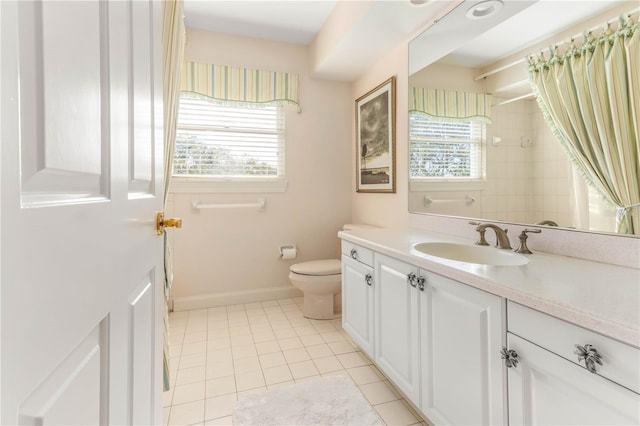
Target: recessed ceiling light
[
  {"x": 419, "y": 2},
  {"x": 484, "y": 9}
]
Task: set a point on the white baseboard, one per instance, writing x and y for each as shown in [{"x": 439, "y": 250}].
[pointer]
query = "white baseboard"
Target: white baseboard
[{"x": 234, "y": 298}]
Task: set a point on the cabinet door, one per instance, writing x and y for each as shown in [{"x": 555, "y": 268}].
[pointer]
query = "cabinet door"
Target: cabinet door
[
  {"x": 357, "y": 303},
  {"x": 462, "y": 333},
  {"x": 547, "y": 389},
  {"x": 396, "y": 325}
]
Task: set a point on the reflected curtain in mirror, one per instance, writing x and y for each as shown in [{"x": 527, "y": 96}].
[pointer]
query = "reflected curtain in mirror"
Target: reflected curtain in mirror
[{"x": 590, "y": 97}]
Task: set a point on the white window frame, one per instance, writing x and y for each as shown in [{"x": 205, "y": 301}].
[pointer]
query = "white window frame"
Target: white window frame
[
  {"x": 451, "y": 183},
  {"x": 230, "y": 184}
]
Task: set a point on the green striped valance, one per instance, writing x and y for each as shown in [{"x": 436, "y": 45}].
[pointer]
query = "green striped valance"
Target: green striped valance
[
  {"x": 450, "y": 105},
  {"x": 240, "y": 84}
]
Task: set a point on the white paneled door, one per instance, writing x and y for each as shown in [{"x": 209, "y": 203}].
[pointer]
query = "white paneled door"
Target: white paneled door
[{"x": 81, "y": 179}]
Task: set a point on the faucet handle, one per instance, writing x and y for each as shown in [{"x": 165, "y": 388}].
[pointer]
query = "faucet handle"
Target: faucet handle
[{"x": 522, "y": 248}]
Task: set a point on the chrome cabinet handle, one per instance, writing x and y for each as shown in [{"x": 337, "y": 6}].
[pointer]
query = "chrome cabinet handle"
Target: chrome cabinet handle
[
  {"x": 421, "y": 281},
  {"x": 354, "y": 254},
  {"x": 510, "y": 357},
  {"x": 411, "y": 279},
  {"x": 590, "y": 355},
  {"x": 368, "y": 279}
]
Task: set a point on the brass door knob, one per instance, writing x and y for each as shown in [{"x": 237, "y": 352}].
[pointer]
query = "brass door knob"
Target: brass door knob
[{"x": 162, "y": 223}]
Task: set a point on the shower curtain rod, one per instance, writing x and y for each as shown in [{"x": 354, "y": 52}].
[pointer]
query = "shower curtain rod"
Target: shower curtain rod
[{"x": 559, "y": 43}]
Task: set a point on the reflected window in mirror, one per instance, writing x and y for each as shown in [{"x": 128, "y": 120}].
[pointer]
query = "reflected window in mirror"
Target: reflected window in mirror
[{"x": 442, "y": 150}]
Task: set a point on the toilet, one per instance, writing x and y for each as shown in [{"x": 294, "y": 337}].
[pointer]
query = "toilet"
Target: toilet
[{"x": 321, "y": 284}]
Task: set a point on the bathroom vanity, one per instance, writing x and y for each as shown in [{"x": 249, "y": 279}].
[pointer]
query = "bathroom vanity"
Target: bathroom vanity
[{"x": 553, "y": 341}]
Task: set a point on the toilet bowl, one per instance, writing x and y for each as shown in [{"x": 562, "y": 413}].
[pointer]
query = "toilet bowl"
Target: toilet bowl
[{"x": 321, "y": 284}]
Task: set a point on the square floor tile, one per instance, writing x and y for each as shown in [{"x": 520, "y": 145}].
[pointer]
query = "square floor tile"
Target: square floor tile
[
  {"x": 277, "y": 375},
  {"x": 272, "y": 360},
  {"x": 290, "y": 343},
  {"x": 195, "y": 337},
  {"x": 303, "y": 369},
  {"x": 333, "y": 336},
  {"x": 284, "y": 333},
  {"x": 312, "y": 340},
  {"x": 219, "y": 356},
  {"x": 265, "y": 336},
  {"x": 250, "y": 380},
  {"x": 353, "y": 359},
  {"x": 328, "y": 364},
  {"x": 220, "y": 386},
  {"x": 267, "y": 347},
  {"x": 323, "y": 326},
  {"x": 187, "y": 414},
  {"x": 223, "y": 369},
  {"x": 305, "y": 331},
  {"x": 396, "y": 413},
  {"x": 296, "y": 355},
  {"x": 188, "y": 393},
  {"x": 378, "y": 392},
  {"x": 219, "y": 406},
  {"x": 342, "y": 347},
  {"x": 246, "y": 365},
  {"x": 218, "y": 343},
  {"x": 319, "y": 351},
  {"x": 365, "y": 374},
  {"x": 194, "y": 360},
  {"x": 241, "y": 340},
  {"x": 222, "y": 421},
  {"x": 247, "y": 351},
  {"x": 281, "y": 385}
]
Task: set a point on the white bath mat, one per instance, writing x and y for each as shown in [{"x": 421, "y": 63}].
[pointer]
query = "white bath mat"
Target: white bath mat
[{"x": 332, "y": 400}]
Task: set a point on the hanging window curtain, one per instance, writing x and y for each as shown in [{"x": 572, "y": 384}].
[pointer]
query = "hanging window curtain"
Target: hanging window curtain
[
  {"x": 450, "y": 104},
  {"x": 240, "y": 85},
  {"x": 590, "y": 97},
  {"x": 173, "y": 36}
]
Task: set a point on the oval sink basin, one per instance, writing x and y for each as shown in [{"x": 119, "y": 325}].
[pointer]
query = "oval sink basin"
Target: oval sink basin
[{"x": 472, "y": 254}]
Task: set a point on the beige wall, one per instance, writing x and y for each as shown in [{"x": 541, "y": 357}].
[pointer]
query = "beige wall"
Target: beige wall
[
  {"x": 387, "y": 210},
  {"x": 236, "y": 250}
]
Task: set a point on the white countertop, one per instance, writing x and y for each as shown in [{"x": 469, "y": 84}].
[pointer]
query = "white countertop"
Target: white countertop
[{"x": 598, "y": 296}]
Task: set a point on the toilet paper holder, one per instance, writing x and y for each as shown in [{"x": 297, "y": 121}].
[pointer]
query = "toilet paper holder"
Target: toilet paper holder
[{"x": 288, "y": 251}]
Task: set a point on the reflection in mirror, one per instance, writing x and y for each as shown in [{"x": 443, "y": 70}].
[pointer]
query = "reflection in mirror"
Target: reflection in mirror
[{"x": 519, "y": 171}]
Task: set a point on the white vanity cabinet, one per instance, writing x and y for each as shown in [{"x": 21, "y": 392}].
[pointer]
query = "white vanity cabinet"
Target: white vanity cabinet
[
  {"x": 397, "y": 324},
  {"x": 357, "y": 295},
  {"x": 462, "y": 334},
  {"x": 550, "y": 386}
]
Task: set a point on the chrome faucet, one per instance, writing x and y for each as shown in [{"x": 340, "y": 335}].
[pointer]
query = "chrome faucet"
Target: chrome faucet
[{"x": 502, "y": 240}]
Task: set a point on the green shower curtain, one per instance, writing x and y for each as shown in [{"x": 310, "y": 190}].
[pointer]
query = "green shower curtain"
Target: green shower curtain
[{"x": 590, "y": 97}]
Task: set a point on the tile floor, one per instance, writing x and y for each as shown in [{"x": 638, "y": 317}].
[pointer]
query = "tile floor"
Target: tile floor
[{"x": 220, "y": 354}]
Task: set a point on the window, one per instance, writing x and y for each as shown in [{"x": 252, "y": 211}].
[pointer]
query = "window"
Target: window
[
  {"x": 216, "y": 140},
  {"x": 446, "y": 150}
]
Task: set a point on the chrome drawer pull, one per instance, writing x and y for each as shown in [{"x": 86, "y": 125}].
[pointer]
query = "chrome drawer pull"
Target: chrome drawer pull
[
  {"x": 510, "y": 357},
  {"x": 368, "y": 279},
  {"x": 354, "y": 254},
  {"x": 421, "y": 281},
  {"x": 590, "y": 355},
  {"x": 411, "y": 279}
]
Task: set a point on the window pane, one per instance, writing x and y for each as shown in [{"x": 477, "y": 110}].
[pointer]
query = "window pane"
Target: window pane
[
  {"x": 228, "y": 141},
  {"x": 445, "y": 149}
]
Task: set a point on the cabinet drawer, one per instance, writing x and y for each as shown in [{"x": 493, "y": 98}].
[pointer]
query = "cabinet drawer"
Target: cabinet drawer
[
  {"x": 621, "y": 362},
  {"x": 358, "y": 253}
]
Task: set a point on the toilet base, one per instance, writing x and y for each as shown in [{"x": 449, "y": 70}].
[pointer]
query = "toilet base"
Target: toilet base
[{"x": 318, "y": 306}]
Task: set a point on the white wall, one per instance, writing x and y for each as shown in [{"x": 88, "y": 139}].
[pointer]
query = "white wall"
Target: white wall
[{"x": 218, "y": 252}]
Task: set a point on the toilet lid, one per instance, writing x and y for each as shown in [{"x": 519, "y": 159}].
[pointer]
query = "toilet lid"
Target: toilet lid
[{"x": 317, "y": 267}]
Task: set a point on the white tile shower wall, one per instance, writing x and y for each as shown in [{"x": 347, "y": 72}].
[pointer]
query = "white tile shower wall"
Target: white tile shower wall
[{"x": 509, "y": 163}]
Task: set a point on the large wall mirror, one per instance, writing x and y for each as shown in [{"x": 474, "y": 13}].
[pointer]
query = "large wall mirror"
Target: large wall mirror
[{"x": 518, "y": 172}]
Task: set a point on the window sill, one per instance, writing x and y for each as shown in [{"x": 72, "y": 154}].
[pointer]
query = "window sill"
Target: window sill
[
  {"x": 446, "y": 185},
  {"x": 187, "y": 185}
]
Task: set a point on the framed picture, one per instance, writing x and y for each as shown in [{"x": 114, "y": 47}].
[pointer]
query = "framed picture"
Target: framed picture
[{"x": 376, "y": 139}]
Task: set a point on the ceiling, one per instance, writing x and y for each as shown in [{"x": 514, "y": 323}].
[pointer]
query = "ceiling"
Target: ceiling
[
  {"x": 363, "y": 31},
  {"x": 289, "y": 21}
]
